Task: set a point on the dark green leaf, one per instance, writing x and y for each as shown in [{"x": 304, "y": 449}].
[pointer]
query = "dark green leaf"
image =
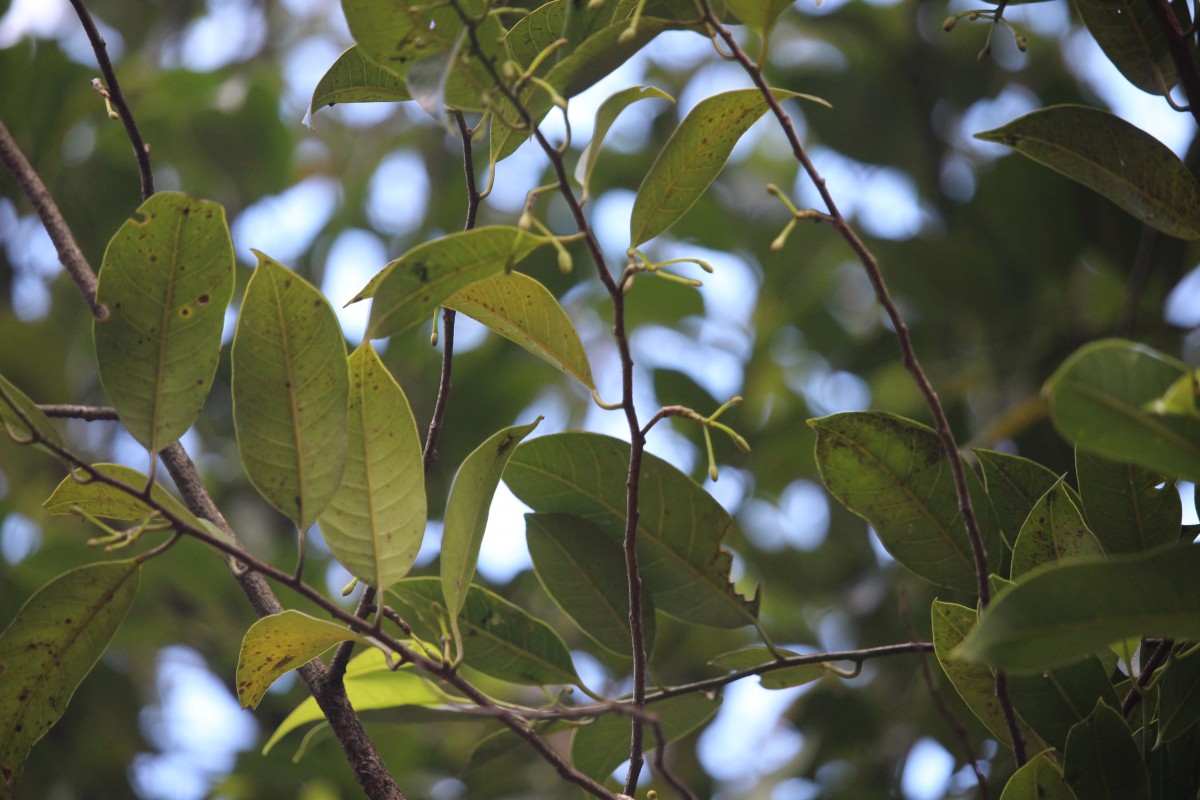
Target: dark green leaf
[
  {"x": 1050, "y": 703},
  {"x": 166, "y": 280},
  {"x": 1054, "y": 531},
  {"x": 1128, "y": 508},
  {"x": 1102, "y": 761},
  {"x": 1100, "y": 399},
  {"x": 894, "y": 473},
  {"x": 1179, "y": 698},
  {"x": 1133, "y": 41},
  {"x": 1056, "y": 615},
  {"x": 50, "y": 647},
  {"x": 679, "y": 529},
  {"x": 281, "y": 643},
  {"x": 583, "y": 571},
  {"x": 1107, "y": 154},
  {"x": 1039, "y": 779},
  {"x": 1014, "y": 484}
]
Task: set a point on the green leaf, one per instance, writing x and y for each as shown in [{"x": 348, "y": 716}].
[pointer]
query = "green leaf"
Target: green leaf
[
  {"x": 1102, "y": 761},
  {"x": 783, "y": 678},
  {"x": 1099, "y": 400},
  {"x": 1179, "y": 698},
  {"x": 1039, "y": 779},
  {"x": 679, "y": 529},
  {"x": 1107, "y": 154},
  {"x": 1054, "y": 531},
  {"x": 395, "y": 34},
  {"x": 693, "y": 157},
  {"x": 22, "y": 417},
  {"x": 1051, "y": 702},
  {"x": 583, "y": 571},
  {"x": 1014, "y": 484},
  {"x": 50, "y": 647},
  {"x": 894, "y": 473},
  {"x": 290, "y": 392},
  {"x": 411, "y": 288},
  {"x": 760, "y": 15},
  {"x": 1055, "y": 615},
  {"x": 355, "y": 79},
  {"x": 1133, "y": 41},
  {"x": 280, "y": 643},
  {"x": 101, "y": 500},
  {"x": 1128, "y": 508},
  {"x": 370, "y": 684},
  {"x": 375, "y": 522},
  {"x": 166, "y": 281},
  {"x": 500, "y": 639},
  {"x": 524, "y": 311},
  {"x": 600, "y": 747},
  {"x": 975, "y": 683},
  {"x": 467, "y": 510},
  {"x": 606, "y": 115}
]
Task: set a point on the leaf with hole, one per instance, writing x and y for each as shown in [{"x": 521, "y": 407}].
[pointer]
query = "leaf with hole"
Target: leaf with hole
[
  {"x": 50, "y": 647},
  {"x": 467, "y": 510},
  {"x": 1055, "y": 615},
  {"x": 166, "y": 281},
  {"x": 894, "y": 473},
  {"x": 280, "y": 643},
  {"x": 583, "y": 571},
  {"x": 375, "y": 522},
  {"x": 1108, "y": 155},
  {"x": 524, "y": 311},
  {"x": 1100, "y": 399},
  {"x": 679, "y": 529},
  {"x": 290, "y": 392}
]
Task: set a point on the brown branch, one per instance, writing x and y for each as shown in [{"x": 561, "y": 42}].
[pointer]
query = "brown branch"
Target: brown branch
[
  {"x": 908, "y": 352},
  {"x": 1135, "y": 692},
  {"x": 341, "y": 656},
  {"x": 69, "y": 254},
  {"x": 1181, "y": 53},
  {"x": 112, "y": 88}
]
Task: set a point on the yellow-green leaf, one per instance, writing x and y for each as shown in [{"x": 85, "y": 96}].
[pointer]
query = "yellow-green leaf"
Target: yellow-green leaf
[
  {"x": 166, "y": 280},
  {"x": 22, "y": 418},
  {"x": 1054, "y": 531},
  {"x": 1107, "y": 154},
  {"x": 280, "y": 643},
  {"x": 606, "y": 115},
  {"x": 102, "y": 500},
  {"x": 50, "y": 647},
  {"x": 290, "y": 392},
  {"x": 375, "y": 522},
  {"x": 524, "y": 311},
  {"x": 355, "y": 79},
  {"x": 1039, "y": 779}
]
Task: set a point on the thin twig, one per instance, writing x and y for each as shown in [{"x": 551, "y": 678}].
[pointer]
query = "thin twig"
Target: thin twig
[
  {"x": 1135, "y": 692},
  {"x": 69, "y": 254},
  {"x": 341, "y": 656},
  {"x": 141, "y": 150},
  {"x": 1181, "y": 53},
  {"x": 911, "y": 362}
]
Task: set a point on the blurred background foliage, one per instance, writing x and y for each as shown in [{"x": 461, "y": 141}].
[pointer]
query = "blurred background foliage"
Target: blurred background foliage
[{"x": 1001, "y": 267}]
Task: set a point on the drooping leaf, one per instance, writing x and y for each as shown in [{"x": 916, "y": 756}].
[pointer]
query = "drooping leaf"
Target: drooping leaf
[
  {"x": 524, "y": 311},
  {"x": 1128, "y": 508},
  {"x": 1014, "y": 484},
  {"x": 760, "y": 15},
  {"x": 1052, "y": 702},
  {"x": 974, "y": 682},
  {"x": 355, "y": 79},
  {"x": 782, "y": 678},
  {"x": 679, "y": 529},
  {"x": 894, "y": 473},
  {"x": 599, "y": 747},
  {"x": 499, "y": 639},
  {"x": 693, "y": 157},
  {"x": 50, "y": 647},
  {"x": 467, "y": 510},
  {"x": 410, "y": 289},
  {"x": 395, "y": 34},
  {"x": 102, "y": 500},
  {"x": 375, "y": 522},
  {"x": 1133, "y": 41},
  {"x": 606, "y": 115},
  {"x": 1099, "y": 400},
  {"x": 426, "y": 79},
  {"x": 1179, "y": 698},
  {"x": 1055, "y": 615},
  {"x": 1102, "y": 762},
  {"x": 280, "y": 643},
  {"x": 22, "y": 417},
  {"x": 1107, "y": 154},
  {"x": 166, "y": 280},
  {"x": 583, "y": 571},
  {"x": 1054, "y": 531},
  {"x": 290, "y": 392},
  {"x": 1039, "y": 779},
  {"x": 370, "y": 684}
]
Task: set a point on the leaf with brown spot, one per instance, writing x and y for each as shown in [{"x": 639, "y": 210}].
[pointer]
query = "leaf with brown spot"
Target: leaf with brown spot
[{"x": 280, "y": 643}]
